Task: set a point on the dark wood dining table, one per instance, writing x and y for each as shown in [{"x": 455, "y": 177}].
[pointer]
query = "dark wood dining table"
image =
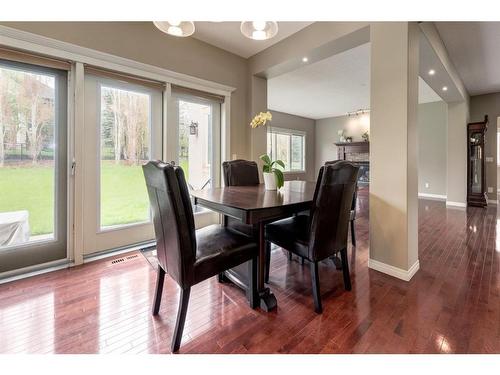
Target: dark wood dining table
[{"x": 257, "y": 206}]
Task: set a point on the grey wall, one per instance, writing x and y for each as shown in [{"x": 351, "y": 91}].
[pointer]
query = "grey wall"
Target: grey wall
[
  {"x": 481, "y": 105},
  {"x": 326, "y": 135},
  {"x": 287, "y": 121},
  {"x": 431, "y": 128},
  {"x": 143, "y": 42}
]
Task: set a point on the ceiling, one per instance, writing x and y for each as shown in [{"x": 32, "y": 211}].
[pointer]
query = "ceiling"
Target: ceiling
[
  {"x": 227, "y": 36},
  {"x": 330, "y": 87},
  {"x": 474, "y": 49}
]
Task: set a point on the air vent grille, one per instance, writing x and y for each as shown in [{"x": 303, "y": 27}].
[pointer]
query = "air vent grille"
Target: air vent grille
[{"x": 121, "y": 260}]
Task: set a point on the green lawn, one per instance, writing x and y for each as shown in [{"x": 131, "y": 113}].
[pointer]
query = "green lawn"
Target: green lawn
[
  {"x": 29, "y": 188},
  {"x": 124, "y": 197}
]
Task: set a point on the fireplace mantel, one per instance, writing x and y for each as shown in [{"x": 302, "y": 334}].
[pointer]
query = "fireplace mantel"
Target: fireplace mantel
[{"x": 353, "y": 151}]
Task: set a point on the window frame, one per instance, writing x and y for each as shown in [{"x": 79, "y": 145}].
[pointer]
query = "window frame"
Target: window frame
[{"x": 290, "y": 133}]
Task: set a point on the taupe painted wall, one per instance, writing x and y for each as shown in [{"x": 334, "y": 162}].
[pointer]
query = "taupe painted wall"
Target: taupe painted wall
[
  {"x": 393, "y": 147},
  {"x": 287, "y": 121},
  {"x": 326, "y": 134},
  {"x": 481, "y": 105},
  {"x": 432, "y": 139},
  {"x": 141, "y": 41}
]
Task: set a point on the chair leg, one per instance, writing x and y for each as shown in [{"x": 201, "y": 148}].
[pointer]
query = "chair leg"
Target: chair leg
[
  {"x": 336, "y": 260},
  {"x": 289, "y": 255},
  {"x": 181, "y": 319},
  {"x": 252, "y": 292},
  {"x": 268, "y": 261},
  {"x": 315, "y": 287},
  {"x": 353, "y": 234},
  {"x": 160, "y": 278},
  {"x": 345, "y": 269},
  {"x": 302, "y": 260}
]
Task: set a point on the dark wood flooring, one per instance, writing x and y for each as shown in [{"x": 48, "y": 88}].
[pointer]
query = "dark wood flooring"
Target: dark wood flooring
[{"x": 452, "y": 305}]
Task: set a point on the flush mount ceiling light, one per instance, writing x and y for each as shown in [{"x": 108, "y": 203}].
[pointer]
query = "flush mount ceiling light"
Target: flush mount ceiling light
[
  {"x": 259, "y": 30},
  {"x": 176, "y": 28}
]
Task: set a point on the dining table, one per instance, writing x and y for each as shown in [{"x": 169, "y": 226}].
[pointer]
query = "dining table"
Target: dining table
[{"x": 257, "y": 206}]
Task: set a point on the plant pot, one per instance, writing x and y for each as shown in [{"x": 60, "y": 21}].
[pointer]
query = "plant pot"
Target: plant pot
[{"x": 269, "y": 181}]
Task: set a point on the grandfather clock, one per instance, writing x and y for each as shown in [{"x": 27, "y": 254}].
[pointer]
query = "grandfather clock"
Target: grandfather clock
[{"x": 476, "y": 176}]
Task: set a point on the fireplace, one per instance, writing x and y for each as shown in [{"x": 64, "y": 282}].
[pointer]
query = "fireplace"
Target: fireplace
[{"x": 358, "y": 153}]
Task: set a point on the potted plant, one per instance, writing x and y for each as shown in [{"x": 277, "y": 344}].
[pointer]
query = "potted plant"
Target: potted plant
[{"x": 273, "y": 176}]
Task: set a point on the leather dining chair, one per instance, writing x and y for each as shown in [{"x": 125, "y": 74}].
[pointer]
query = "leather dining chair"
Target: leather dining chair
[
  {"x": 188, "y": 255},
  {"x": 324, "y": 231},
  {"x": 243, "y": 173},
  {"x": 240, "y": 173},
  {"x": 352, "y": 216}
]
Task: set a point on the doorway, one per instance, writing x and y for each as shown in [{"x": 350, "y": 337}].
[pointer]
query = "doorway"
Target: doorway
[{"x": 33, "y": 172}]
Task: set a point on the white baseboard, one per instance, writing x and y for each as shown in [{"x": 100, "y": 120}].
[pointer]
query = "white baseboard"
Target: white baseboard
[
  {"x": 432, "y": 196},
  {"x": 456, "y": 204},
  {"x": 394, "y": 271}
]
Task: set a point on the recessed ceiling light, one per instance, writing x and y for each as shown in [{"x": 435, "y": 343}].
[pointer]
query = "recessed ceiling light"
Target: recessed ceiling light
[
  {"x": 305, "y": 59},
  {"x": 432, "y": 72},
  {"x": 445, "y": 88}
]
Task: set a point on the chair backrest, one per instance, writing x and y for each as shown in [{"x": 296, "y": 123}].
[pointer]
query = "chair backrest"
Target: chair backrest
[
  {"x": 240, "y": 173},
  {"x": 173, "y": 219},
  {"x": 331, "y": 209},
  {"x": 355, "y": 197}
]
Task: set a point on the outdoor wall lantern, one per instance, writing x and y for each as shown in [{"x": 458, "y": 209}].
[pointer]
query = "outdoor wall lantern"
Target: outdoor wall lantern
[{"x": 193, "y": 128}]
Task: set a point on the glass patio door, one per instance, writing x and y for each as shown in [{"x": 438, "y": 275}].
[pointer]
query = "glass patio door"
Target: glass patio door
[
  {"x": 33, "y": 165},
  {"x": 197, "y": 130},
  {"x": 123, "y": 130}
]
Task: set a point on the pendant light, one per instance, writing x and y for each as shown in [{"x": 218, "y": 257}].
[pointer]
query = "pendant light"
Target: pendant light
[
  {"x": 259, "y": 30},
  {"x": 176, "y": 28}
]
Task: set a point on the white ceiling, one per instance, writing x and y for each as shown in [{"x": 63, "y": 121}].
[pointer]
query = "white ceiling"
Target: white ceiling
[
  {"x": 474, "y": 50},
  {"x": 330, "y": 87},
  {"x": 227, "y": 35}
]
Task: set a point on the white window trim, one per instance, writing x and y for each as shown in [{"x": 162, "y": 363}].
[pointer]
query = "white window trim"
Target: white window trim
[
  {"x": 276, "y": 129},
  {"x": 78, "y": 55}
]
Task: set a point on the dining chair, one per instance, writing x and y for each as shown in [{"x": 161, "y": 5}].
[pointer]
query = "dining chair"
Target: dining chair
[
  {"x": 243, "y": 173},
  {"x": 188, "y": 255},
  {"x": 240, "y": 173},
  {"x": 324, "y": 232},
  {"x": 352, "y": 216}
]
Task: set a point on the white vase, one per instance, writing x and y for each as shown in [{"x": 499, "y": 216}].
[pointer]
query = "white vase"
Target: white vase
[{"x": 270, "y": 181}]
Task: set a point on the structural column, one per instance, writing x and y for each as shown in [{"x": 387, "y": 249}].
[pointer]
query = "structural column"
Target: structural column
[
  {"x": 258, "y": 103},
  {"x": 456, "y": 155},
  {"x": 393, "y": 149}
]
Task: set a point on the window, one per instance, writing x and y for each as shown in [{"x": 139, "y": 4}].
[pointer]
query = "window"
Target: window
[
  {"x": 125, "y": 146},
  {"x": 198, "y": 140},
  {"x": 287, "y": 145}
]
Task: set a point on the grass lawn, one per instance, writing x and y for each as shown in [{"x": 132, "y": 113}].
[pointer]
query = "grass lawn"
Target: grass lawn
[
  {"x": 124, "y": 197},
  {"x": 29, "y": 188}
]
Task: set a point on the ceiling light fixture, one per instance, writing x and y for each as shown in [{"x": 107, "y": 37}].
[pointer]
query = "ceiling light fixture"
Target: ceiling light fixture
[
  {"x": 432, "y": 72},
  {"x": 358, "y": 112},
  {"x": 259, "y": 30},
  {"x": 445, "y": 88},
  {"x": 176, "y": 28},
  {"x": 305, "y": 59}
]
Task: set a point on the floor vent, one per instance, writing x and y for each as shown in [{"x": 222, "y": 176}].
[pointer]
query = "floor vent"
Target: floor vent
[{"x": 121, "y": 260}]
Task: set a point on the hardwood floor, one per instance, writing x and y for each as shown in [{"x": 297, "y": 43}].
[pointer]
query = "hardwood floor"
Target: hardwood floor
[{"x": 452, "y": 305}]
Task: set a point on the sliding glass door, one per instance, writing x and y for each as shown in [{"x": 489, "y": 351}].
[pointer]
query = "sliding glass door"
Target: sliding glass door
[
  {"x": 123, "y": 130},
  {"x": 198, "y": 135},
  {"x": 33, "y": 165}
]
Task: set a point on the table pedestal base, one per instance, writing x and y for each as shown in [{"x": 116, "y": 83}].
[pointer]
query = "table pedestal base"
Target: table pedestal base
[{"x": 268, "y": 301}]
